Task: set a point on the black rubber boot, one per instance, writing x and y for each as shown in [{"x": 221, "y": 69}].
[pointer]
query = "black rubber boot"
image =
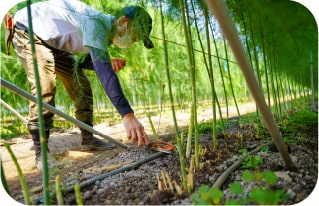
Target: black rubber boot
[
  {"x": 37, "y": 147},
  {"x": 93, "y": 143},
  {"x": 37, "y": 151}
]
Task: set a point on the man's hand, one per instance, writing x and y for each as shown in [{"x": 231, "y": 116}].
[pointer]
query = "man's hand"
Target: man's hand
[
  {"x": 135, "y": 130},
  {"x": 118, "y": 64}
]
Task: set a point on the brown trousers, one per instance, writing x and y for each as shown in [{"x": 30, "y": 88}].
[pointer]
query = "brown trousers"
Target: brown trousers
[{"x": 52, "y": 63}]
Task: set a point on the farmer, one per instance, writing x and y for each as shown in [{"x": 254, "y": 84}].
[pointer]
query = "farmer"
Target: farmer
[{"x": 63, "y": 27}]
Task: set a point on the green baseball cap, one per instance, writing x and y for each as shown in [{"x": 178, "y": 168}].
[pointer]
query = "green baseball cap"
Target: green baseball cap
[{"x": 142, "y": 22}]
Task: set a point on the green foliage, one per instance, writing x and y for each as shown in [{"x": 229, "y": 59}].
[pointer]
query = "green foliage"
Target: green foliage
[
  {"x": 11, "y": 128},
  {"x": 236, "y": 188},
  {"x": 263, "y": 18},
  {"x": 252, "y": 162},
  {"x": 207, "y": 196},
  {"x": 207, "y": 127},
  {"x": 143, "y": 77},
  {"x": 268, "y": 177},
  {"x": 259, "y": 194},
  {"x": 293, "y": 123},
  {"x": 296, "y": 126},
  {"x": 248, "y": 176},
  {"x": 266, "y": 196}
]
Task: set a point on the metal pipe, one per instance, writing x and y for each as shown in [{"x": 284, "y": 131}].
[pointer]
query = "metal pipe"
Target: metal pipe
[
  {"x": 13, "y": 111},
  {"x": 52, "y": 109},
  {"x": 219, "y": 10},
  {"x": 105, "y": 175}
]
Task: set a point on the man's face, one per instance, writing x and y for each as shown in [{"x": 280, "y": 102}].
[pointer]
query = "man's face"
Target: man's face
[{"x": 125, "y": 36}]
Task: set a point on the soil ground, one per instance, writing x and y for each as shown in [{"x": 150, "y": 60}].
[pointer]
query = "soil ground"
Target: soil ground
[{"x": 140, "y": 185}]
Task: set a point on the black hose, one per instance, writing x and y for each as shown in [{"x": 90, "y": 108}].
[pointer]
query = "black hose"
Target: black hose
[{"x": 105, "y": 175}]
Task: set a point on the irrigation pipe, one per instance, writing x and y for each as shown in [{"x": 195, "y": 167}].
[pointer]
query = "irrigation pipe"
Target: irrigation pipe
[
  {"x": 219, "y": 10},
  {"x": 223, "y": 177},
  {"x": 13, "y": 111},
  {"x": 52, "y": 109},
  {"x": 105, "y": 175}
]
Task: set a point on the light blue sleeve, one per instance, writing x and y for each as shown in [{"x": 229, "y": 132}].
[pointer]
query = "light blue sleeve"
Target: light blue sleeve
[{"x": 96, "y": 32}]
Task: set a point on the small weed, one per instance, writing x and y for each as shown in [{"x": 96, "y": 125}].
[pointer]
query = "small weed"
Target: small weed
[
  {"x": 260, "y": 194},
  {"x": 251, "y": 161},
  {"x": 207, "y": 195},
  {"x": 265, "y": 149}
]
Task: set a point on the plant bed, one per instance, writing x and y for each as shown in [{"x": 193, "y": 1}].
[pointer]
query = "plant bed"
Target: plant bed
[{"x": 141, "y": 185}]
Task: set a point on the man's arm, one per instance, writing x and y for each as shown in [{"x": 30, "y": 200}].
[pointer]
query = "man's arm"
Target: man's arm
[
  {"x": 110, "y": 81},
  {"x": 102, "y": 66}
]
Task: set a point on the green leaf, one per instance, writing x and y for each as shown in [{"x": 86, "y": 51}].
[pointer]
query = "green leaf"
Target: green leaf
[
  {"x": 195, "y": 198},
  {"x": 258, "y": 176},
  {"x": 236, "y": 188},
  {"x": 264, "y": 196},
  {"x": 243, "y": 151},
  {"x": 244, "y": 201},
  {"x": 232, "y": 202},
  {"x": 265, "y": 149},
  {"x": 215, "y": 194},
  {"x": 247, "y": 176},
  {"x": 203, "y": 188},
  {"x": 270, "y": 177}
]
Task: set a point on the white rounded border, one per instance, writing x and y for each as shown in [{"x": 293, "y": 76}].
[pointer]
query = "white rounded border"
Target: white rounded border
[{"x": 311, "y": 5}]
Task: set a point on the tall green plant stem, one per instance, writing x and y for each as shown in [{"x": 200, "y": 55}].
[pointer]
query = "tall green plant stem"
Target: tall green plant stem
[
  {"x": 222, "y": 78},
  {"x": 210, "y": 65},
  {"x": 210, "y": 73},
  {"x": 250, "y": 53},
  {"x": 59, "y": 195},
  {"x": 45, "y": 171},
  {"x": 230, "y": 78},
  {"x": 276, "y": 87},
  {"x": 191, "y": 59},
  {"x": 255, "y": 50},
  {"x": 23, "y": 183},
  {"x": 273, "y": 89},
  {"x": 179, "y": 137},
  {"x": 283, "y": 95},
  {"x": 219, "y": 10},
  {"x": 3, "y": 179},
  {"x": 190, "y": 133},
  {"x": 78, "y": 196},
  {"x": 192, "y": 77},
  {"x": 152, "y": 126},
  {"x": 312, "y": 84},
  {"x": 265, "y": 61},
  {"x": 168, "y": 73},
  {"x": 191, "y": 124},
  {"x": 182, "y": 162}
]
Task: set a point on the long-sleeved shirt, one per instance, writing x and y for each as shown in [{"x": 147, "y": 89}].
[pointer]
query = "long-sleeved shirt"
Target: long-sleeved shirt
[{"x": 72, "y": 26}]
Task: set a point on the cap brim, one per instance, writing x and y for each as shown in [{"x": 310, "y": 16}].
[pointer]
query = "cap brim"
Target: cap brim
[{"x": 148, "y": 43}]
